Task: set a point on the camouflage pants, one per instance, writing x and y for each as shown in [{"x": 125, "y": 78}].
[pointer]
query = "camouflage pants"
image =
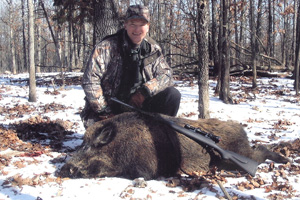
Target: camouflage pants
[{"x": 166, "y": 102}]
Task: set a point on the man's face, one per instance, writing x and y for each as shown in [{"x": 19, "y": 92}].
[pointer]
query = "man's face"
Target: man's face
[{"x": 137, "y": 29}]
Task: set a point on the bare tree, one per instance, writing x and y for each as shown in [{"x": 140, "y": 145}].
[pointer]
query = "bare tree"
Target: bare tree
[
  {"x": 23, "y": 35},
  {"x": 12, "y": 39},
  {"x": 39, "y": 39},
  {"x": 284, "y": 35},
  {"x": 224, "y": 53},
  {"x": 203, "y": 77},
  {"x": 270, "y": 44},
  {"x": 214, "y": 37},
  {"x": 297, "y": 60},
  {"x": 106, "y": 18},
  {"x": 172, "y": 28},
  {"x": 236, "y": 33},
  {"x": 254, "y": 42},
  {"x": 56, "y": 43},
  {"x": 32, "y": 84},
  {"x": 242, "y": 22}
]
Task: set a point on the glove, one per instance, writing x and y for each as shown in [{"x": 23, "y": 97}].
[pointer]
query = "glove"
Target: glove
[{"x": 137, "y": 99}]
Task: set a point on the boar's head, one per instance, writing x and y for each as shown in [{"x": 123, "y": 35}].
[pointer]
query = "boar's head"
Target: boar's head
[{"x": 128, "y": 145}]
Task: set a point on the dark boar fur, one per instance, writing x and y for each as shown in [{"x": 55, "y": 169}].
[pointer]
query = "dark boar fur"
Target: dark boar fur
[{"x": 133, "y": 145}]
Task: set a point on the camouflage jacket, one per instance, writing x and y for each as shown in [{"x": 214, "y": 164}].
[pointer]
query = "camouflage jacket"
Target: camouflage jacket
[{"x": 102, "y": 76}]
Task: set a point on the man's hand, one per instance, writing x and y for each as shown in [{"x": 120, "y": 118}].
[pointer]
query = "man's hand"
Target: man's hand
[{"x": 137, "y": 99}]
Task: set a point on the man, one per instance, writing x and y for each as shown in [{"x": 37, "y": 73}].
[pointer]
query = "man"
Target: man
[{"x": 130, "y": 66}]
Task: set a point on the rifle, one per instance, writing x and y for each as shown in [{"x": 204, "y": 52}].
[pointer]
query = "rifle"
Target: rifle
[
  {"x": 247, "y": 164},
  {"x": 211, "y": 136}
]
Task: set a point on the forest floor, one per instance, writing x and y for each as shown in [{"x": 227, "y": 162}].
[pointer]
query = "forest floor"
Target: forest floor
[{"x": 36, "y": 138}]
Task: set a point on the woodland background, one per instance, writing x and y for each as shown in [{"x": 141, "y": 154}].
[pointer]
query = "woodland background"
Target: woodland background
[{"x": 200, "y": 38}]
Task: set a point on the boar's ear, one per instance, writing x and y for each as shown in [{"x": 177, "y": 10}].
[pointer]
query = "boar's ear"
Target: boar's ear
[{"x": 104, "y": 135}]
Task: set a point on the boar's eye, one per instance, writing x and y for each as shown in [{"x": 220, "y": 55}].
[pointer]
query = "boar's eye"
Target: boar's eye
[{"x": 104, "y": 135}]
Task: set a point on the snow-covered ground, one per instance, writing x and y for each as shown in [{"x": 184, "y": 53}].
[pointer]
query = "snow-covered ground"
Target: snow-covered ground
[{"x": 270, "y": 114}]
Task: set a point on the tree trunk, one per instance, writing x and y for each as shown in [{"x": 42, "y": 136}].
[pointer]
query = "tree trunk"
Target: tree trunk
[
  {"x": 81, "y": 47},
  {"x": 13, "y": 67},
  {"x": 214, "y": 37},
  {"x": 71, "y": 47},
  {"x": 236, "y": 37},
  {"x": 270, "y": 32},
  {"x": 294, "y": 37},
  {"x": 258, "y": 30},
  {"x": 270, "y": 29},
  {"x": 24, "y": 36},
  {"x": 274, "y": 25},
  {"x": 56, "y": 44},
  {"x": 66, "y": 60},
  {"x": 85, "y": 43},
  {"x": 74, "y": 47},
  {"x": 169, "y": 37},
  {"x": 220, "y": 52},
  {"x": 259, "y": 37},
  {"x": 242, "y": 35},
  {"x": 106, "y": 19},
  {"x": 284, "y": 37},
  {"x": 159, "y": 24},
  {"x": 146, "y": 2},
  {"x": 253, "y": 44},
  {"x": 203, "y": 77},
  {"x": 225, "y": 76},
  {"x": 297, "y": 53},
  {"x": 39, "y": 41},
  {"x": 32, "y": 84}
]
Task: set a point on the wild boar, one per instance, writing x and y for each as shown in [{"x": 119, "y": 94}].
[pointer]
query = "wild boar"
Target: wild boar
[{"x": 132, "y": 145}]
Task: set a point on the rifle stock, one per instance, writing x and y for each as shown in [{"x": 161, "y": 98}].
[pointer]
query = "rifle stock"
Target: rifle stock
[{"x": 247, "y": 164}]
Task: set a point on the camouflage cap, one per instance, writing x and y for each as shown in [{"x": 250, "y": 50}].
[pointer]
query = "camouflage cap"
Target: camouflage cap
[{"x": 138, "y": 12}]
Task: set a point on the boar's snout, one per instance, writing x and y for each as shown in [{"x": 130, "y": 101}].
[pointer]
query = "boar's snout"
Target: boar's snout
[{"x": 69, "y": 170}]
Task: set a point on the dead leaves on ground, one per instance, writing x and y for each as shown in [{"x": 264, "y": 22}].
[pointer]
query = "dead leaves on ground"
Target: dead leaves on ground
[
  {"x": 9, "y": 139},
  {"x": 25, "y": 140},
  {"x": 281, "y": 124},
  {"x": 280, "y": 174},
  {"x": 17, "y": 111},
  {"x": 247, "y": 93},
  {"x": 36, "y": 180},
  {"x": 50, "y": 80},
  {"x": 20, "y": 110},
  {"x": 278, "y": 186},
  {"x": 20, "y": 136},
  {"x": 38, "y": 129},
  {"x": 31, "y": 128},
  {"x": 189, "y": 184},
  {"x": 288, "y": 149}
]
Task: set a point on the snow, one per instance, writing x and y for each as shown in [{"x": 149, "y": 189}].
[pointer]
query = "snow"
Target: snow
[{"x": 258, "y": 112}]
